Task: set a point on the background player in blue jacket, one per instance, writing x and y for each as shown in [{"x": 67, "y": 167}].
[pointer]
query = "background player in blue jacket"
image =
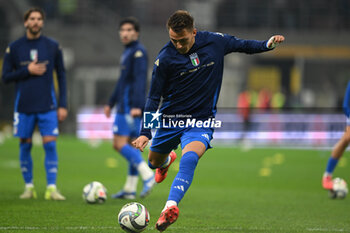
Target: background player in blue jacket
[
  {"x": 29, "y": 62},
  {"x": 130, "y": 95},
  {"x": 187, "y": 74},
  {"x": 341, "y": 145}
]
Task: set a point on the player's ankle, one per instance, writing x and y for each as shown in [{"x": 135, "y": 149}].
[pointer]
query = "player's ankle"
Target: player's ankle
[
  {"x": 29, "y": 185},
  {"x": 169, "y": 203},
  {"x": 51, "y": 186},
  {"x": 166, "y": 163}
]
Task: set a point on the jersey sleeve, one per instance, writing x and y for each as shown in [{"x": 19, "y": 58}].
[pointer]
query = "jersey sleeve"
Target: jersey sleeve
[
  {"x": 346, "y": 101},
  {"x": 232, "y": 44},
  {"x": 114, "y": 97},
  {"x": 61, "y": 78},
  {"x": 139, "y": 79},
  {"x": 155, "y": 93},
  {"x": 9, "y": 73}
]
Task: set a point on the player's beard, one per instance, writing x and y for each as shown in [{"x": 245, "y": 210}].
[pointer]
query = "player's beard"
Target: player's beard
[
  {"x": 34, "y": 31},
  {"x": 182, "y": 51}
]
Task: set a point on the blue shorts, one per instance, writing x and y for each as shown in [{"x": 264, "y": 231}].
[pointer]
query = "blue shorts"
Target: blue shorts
[
  {"x": 167, "y": 140},
  {"x": 24, "y": 124},
  {"x": 126, "y": 125}
]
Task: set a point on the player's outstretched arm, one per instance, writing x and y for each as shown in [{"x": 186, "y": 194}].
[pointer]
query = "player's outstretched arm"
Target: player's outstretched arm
[
  {"x": 274, "y": 41},
  {"x": 140, "y": 143}
]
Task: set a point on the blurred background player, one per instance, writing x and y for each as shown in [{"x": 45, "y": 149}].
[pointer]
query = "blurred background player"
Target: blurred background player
[
  {"x": 196, "y": 95},
  {"x": 340, "y": 146},
  {"x": 30, "y": 62},
  {"x": 129, "y": 95}
]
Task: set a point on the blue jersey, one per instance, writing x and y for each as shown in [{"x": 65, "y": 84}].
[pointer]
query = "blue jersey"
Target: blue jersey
[
  {"x": 346, "y": 101},
  {"x": 130, "y": 90},
  {"x": 35, "y": 93},
  {"x": 190, "y": 83}
]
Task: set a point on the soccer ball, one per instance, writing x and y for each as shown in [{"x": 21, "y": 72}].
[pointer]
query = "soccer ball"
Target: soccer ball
[
  {"x": 340, "y": 189},
  {"x": 133, "y": 217},
  {"x": 95, "y": 192}
]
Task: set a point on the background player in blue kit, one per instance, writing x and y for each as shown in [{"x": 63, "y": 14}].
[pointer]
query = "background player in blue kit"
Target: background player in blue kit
[
  {"x": 30, "y": 62},
  {"x": 130, "y": 95},
  {"x": 187, "y": 74},
  {"x": 340, "y": 147}
]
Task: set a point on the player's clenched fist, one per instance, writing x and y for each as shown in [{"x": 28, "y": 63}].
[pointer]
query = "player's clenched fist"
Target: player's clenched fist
[
  {"x": 140, "y": 143},
  {"x": 275, "y": 40}
]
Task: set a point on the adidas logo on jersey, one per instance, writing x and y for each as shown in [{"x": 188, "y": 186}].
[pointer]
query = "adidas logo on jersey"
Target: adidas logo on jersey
[
  {"x": 55, "y": 131},
  {"x": 180, "y": 187},
  {"x": 205, "y": 135},
  {"x": 115, "y": 129}
]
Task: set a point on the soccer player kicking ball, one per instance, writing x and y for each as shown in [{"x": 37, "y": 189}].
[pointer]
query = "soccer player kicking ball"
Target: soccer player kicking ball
[
  {"x": 340, "y": 147},
  {"x": 188, "y": 75},
  {"x": 130, "y": 95},
  {"x": 29, "y": 62}
]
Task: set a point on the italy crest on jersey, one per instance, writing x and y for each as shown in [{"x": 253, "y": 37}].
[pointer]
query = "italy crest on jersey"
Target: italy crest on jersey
[
  {"x": 194, "y": 59},
  {"x": 33, "y": 54}
]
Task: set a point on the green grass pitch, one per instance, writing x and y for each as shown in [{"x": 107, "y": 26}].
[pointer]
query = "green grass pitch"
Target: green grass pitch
[{"x": 262, "y": 190}]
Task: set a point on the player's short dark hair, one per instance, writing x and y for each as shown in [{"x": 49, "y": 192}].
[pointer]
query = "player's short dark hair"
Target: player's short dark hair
[
  {"x": 180, "y": 20},
  {"x": 31, "y": 10},
  {"x": 133, "y": 21}
]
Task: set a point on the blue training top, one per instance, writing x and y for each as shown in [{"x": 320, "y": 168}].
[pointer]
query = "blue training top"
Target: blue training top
[
  {"x": 346, "y": 101},
  {"x": 35, "y": 93},
  {"x": 130, "y": 90},
  {"x": 190, "y": 83}
]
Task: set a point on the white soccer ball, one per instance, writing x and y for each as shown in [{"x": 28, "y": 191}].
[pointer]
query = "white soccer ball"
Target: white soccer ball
[
  {"x": 133, "y": 217},
  {"x": 95, "y": 192},
  {"x": 340, "y": 189}
]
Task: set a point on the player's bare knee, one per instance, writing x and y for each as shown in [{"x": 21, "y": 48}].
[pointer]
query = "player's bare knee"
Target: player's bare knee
[
  {"x": 119, "y": 142},
  {"x": 47, "y": 139},
  {"x": 25, "y": 140},
  {"x": 118, "y": 146}
]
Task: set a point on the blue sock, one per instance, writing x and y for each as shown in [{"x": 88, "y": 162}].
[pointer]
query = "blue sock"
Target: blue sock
[
  {"x": 26, "y": 162},
  {"x": 132, "y": 155},
  {"x": 51, "y": 162},
  {"x": 184, "y": 177},
  {"x": 132, "y": 171},
  {"x": 332, "y": 163}
]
